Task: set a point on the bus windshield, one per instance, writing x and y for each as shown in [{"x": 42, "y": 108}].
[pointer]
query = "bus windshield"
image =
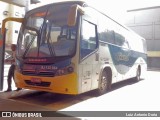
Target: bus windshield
[{"x": 46, "y": 34}]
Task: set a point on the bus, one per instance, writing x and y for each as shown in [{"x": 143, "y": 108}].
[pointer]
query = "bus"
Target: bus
[{"x": 71, "y": 48}]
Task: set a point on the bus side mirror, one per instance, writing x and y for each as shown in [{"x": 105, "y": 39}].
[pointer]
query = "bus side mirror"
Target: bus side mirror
[{"x": 72, "y": 15}]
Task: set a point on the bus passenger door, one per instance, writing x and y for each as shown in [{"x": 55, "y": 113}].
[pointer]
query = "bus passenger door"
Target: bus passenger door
[{"x": 88, "y": 56}]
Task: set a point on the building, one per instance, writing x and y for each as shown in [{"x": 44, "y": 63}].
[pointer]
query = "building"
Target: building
[
  {"x": 146, "y": 22},
  {"x": 10, "y": 10}
]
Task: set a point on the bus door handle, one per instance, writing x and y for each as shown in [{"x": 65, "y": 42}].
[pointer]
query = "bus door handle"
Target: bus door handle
[{"x": 97, "y": 56}]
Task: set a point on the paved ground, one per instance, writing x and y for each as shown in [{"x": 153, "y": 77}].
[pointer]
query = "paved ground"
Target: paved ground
[{"x": 124, "y": 96}]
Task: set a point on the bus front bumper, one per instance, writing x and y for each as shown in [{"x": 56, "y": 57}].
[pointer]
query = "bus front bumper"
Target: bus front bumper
[{"x": 66, "y": 84}]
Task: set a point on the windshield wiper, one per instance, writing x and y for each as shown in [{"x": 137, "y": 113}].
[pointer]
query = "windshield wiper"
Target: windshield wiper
[
  {"x": 34, "y": 36},
  {"x": 28, "y": 46},
  {"x": 51, "y": 48}
]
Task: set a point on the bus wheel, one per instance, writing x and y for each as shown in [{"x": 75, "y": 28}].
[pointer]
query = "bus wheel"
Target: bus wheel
[
  {"x": 103, "y": 83},
  {"x": 138, "y": 74}
]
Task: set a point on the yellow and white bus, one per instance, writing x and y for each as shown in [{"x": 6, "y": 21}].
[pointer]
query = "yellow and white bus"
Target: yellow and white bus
[{"x": 71, "y": 48}]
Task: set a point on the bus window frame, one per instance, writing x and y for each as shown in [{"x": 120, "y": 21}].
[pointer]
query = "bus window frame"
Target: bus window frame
[{"x": 86, "y": 18}]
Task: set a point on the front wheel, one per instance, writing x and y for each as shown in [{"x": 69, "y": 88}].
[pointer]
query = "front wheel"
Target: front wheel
[{"x": 103, "y": 83}]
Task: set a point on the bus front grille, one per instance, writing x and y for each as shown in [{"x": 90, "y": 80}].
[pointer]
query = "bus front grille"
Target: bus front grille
[
  {"x": 42, "y": 84},
  {"x": 39, "y": 73}
]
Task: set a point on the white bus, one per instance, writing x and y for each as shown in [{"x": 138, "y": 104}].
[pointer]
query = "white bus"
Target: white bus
[{"x": 71, "y": 48}]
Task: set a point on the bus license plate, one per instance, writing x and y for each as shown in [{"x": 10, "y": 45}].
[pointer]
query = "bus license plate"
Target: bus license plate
[{"x": 36, "y": 80}]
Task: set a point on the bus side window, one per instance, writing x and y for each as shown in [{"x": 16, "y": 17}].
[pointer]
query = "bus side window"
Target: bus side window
[
  {"x": 106, "y": 29},
  {"x": 119, "y": 39},
  {"x": 88, "y": 41}
]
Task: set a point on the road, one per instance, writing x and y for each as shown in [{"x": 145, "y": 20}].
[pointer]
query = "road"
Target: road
[{"x": 124, "y": 96}]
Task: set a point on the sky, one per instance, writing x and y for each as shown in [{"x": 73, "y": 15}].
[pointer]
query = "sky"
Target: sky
[{"x": 116, "y": 8}]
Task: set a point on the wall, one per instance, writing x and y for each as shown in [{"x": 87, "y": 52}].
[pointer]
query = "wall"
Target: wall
[
  {"x": 8, "y": 10},
  {"x": 146, "y": 22}
]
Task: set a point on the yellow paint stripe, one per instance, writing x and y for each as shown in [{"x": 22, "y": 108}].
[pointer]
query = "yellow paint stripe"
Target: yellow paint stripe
[
  {"x": 10, "y": 19},
  {"x": 153, "y": 53},
  {"x": 1, "y": 43}
]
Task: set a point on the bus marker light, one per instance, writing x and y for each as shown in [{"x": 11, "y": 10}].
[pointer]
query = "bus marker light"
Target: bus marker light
[{"x": 70, "y": 69}]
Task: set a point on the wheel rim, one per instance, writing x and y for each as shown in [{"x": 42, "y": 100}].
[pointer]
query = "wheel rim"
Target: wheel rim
[
  {"x": 138, "y": 74},
  {"x": 103, "y": 87}
]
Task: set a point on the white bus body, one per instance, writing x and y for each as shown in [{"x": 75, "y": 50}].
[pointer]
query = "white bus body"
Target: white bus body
[{"x": 85, "y": 51}]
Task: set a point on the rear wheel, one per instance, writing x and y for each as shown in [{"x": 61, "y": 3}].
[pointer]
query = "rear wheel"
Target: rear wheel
[
  {"x": 138, "y": 74},
  {"x": 103, "y": 83}
]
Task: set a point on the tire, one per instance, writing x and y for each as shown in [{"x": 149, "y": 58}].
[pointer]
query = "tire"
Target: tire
[
  {"x": 138, "y": 74},
  {"x": 103, "y": 83}
]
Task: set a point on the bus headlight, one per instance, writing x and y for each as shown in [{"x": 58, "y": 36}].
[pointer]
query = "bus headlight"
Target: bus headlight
[
  {"x": 70, "y": 69},
  {"x": 64, "y": 71}
]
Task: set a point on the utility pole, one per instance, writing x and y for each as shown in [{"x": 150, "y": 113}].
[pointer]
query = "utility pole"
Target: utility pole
[{"x": 1, "y": 61}]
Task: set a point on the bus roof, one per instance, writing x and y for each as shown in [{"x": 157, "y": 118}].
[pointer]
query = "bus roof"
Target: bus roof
[
  {"x": 79, "y": 2},
  {"x": 82, "y": 3}
]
